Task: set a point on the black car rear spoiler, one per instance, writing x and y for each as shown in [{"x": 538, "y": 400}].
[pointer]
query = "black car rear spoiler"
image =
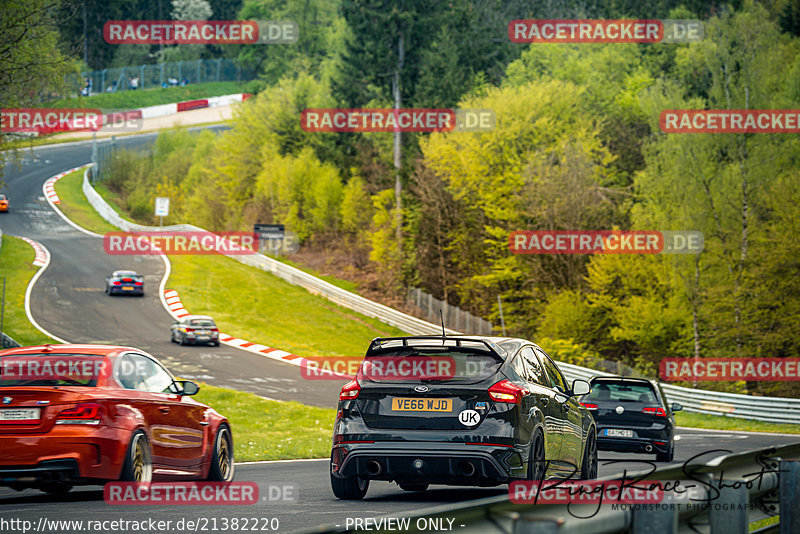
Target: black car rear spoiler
[{"x": 375, "y": 347}]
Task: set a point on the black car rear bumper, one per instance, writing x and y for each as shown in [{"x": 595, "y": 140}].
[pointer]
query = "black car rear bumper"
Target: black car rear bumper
[
  {"x": 639, "y": 445},
  {"x": 431, "y": 463}
]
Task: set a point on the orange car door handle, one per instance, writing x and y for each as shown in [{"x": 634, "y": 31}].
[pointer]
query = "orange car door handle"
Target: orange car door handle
[{"x": 164, "y": 409}]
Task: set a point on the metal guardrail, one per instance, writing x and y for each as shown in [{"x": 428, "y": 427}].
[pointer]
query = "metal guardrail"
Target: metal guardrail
[
  {"x": 768, "y": 409},
  {"x": 739, "y": 489}
]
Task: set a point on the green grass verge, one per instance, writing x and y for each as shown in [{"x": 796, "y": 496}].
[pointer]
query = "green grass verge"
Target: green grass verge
[
  {"x": 16, "y": 267},
  {"x": 76, "y": 207},
  {"x": 125, "y": 100},
  {"x": 271, "y": 430},
  {"x": 716, "y": 422},
  {"x": 342, "y": 284},
  {"x": 257, "y": 306}
]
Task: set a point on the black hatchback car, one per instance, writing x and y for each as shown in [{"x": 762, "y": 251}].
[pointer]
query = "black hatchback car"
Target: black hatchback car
[
  {"x": 632, "y": 415},
  {"x": 473, "y": 411},
  {"x": 125, "y": 282}
]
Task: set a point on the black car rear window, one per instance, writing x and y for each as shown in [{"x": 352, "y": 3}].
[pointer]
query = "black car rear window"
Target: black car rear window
[
  {"x": 48, "y": 369},
  {"x": 622, "y": 392},
  {"x": 450, "y": 366},
  {"x": 201, "y": 322}
]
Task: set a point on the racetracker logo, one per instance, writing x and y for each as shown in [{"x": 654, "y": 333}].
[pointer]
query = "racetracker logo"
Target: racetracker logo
[
  {"x": 181, "y": 493},
  {"x": 730, "y": 369},
  {"x": 179, "y": 243},
  {"x": 398, "y": 120},
  {"x": 380, "y": 368},
  {"x": 586, "y": 492},
  {"x": 47, "y": 121},
  {"x": 200, "y": 32},
  {"x": 605, "y": 242},
  {"x": 730, "y": 121},
  {"x": 56, "y": 367},
  {"x": 605, "y": 31}
]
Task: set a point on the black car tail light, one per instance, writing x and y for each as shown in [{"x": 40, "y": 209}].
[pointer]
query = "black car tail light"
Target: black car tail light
[
  {"x": 656, "y": 410},
  {"x": 506, "y": 391},
  {"x": 127, "y": 279},
  {"x": 117, "y": 282},
  {"x": 350, "y": 391},
  {"x": 86, "y": 413},
  {"x": 589, "y": 405}
]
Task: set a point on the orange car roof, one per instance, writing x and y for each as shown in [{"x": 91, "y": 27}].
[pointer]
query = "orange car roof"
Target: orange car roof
[{"x": 58, "y": 348}]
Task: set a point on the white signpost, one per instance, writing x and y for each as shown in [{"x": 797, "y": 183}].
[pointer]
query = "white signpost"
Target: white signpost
[{"x": 162, "y": 208}]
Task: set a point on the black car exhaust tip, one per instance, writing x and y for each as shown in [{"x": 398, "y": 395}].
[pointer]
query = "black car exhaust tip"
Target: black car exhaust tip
[
  {"x": 648, "y": 448},
  {"x": 374, "y": 468},
  {"x": 466, "y": 468}
]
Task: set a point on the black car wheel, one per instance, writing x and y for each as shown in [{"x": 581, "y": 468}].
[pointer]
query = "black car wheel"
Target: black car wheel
[
  {"x": 350, "y": 488},
  {"x": 666, "y": 456},
  {"x": 215, "y": 343},
  {"x": 183, "y": 339},
  {"x": 537, "y": 463},
  {"x": 589, "y": 464},
  {"x": 405, "y": 486}
]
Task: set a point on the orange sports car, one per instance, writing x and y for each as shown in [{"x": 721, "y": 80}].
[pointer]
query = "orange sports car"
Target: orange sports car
[
  {"x": 3, "y": 203},
  {"x": 88, "y": 414}
]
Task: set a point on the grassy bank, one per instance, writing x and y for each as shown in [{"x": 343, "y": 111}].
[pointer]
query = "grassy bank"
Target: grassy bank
[
  {"x": 715, "y": 422},
  {"x": 15, "y": 266},
  {"x": 257, "y": 306},
  {"x": 124, "y": 100},
  {"x": 75, "y": 206},
  {"x": 271, "y": 430}
]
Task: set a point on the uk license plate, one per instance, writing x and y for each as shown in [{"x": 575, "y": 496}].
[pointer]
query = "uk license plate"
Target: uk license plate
[
  {"x": 127, "y": 288},
  {"x": 20, "y": 414},
  {"x": 422, "y": 405},
  {"x": 619, "y": 433}
]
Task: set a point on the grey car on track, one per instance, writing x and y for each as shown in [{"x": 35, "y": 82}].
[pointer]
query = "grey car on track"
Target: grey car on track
[{"x": 194, "y": 329}]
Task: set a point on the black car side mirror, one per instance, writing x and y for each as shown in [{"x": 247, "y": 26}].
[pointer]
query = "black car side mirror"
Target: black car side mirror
[
  {"x": 676, "y": 407},
  {"x": 188, "y": 387},
  {"x": 580, "y": 387}
]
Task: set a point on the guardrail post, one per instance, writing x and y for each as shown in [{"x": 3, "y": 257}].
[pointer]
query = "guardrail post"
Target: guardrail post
[
  {"x": 732, "y": 520},
  {"x": 523, "y": 525},
  {"x": 663, "y": 519},
  {"x": 789, "y": 496}
]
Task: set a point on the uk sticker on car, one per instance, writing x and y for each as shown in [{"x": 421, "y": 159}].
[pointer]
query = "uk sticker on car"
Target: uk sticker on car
[{"x": 469, "y": 418}]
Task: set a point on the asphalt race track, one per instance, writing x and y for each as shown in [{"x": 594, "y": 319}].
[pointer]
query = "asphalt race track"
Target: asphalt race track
[
  {"x": 315, "y": 504},
  {"x": 68, "y": 300}
]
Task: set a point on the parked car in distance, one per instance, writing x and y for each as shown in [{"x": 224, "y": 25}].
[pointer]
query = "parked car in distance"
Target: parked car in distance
[
  {"x": 194, "y": 329},
  {"x": 125, "y": 282},
  {"x": 632, "y": 415},
  {"x": 501, "y": 412},
  {"x": 88, "y": 414}
]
